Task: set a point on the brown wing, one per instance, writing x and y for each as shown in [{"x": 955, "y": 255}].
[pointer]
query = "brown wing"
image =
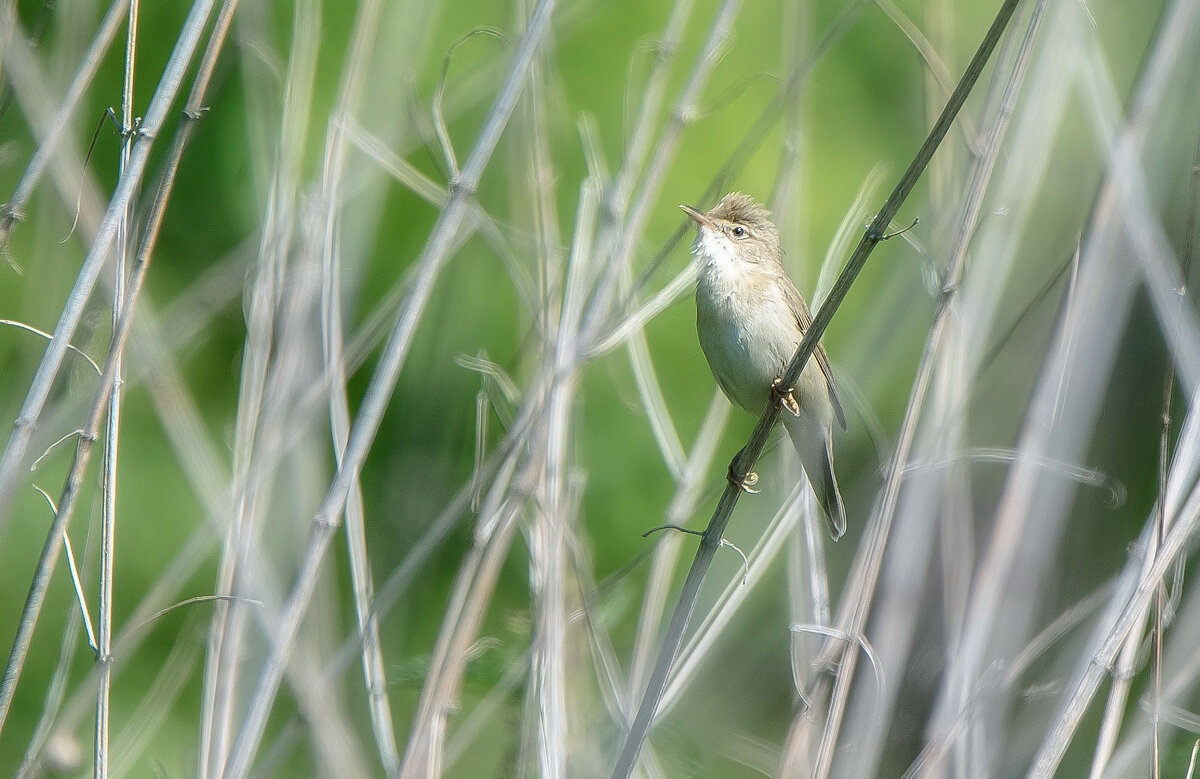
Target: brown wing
[{"x": 804, "y": 318}]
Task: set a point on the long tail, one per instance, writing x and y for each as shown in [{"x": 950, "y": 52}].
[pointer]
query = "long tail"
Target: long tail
[{"x": 814, "y": 444}]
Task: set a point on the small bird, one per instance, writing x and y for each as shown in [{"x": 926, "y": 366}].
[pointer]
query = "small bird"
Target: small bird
[{"x": 750, "y": 318}]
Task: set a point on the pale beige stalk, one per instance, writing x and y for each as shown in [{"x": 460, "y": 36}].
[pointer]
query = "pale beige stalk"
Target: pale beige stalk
[{"x": 750, "y": 318}]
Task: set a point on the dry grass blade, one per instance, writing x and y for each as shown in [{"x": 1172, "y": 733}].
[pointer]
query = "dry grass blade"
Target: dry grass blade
[
  {"x": 14, "y": 453},
  {"x": 368, "y": 420},
  {"x": 1172, "y": 31},
  {"x": 433, "y": 290},
  {"x": 56, "y": 126},
  {"x": 744, "y": 462},
  {"x": 17, "y": 445},
  {"x": 942, "y": 365}
]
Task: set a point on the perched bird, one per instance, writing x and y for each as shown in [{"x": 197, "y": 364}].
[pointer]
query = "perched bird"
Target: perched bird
[{"x": 750, "y": 318}]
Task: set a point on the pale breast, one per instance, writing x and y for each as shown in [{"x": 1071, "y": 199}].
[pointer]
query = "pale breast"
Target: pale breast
[{"x": 747, "y": 333}]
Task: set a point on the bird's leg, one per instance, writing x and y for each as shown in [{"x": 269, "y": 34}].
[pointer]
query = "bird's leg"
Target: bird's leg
[
  {"x": 743, "y": 481},
  {"x": 785, "y": 397}
]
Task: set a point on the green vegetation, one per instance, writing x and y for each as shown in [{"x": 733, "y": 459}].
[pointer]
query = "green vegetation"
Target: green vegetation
[{"x": 369, "y": 238}]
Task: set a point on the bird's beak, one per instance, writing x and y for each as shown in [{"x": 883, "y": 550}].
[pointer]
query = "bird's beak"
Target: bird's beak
[{"x": 699, "y": 216}]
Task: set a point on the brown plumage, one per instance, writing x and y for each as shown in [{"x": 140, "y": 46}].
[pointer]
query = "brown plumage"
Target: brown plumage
[{"x": 750, "y": 318}]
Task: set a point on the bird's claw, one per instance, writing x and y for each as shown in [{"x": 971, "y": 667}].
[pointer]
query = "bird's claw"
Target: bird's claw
[
  {"x": 786, "y": 397},
  {"x": 743, "y": 483}
]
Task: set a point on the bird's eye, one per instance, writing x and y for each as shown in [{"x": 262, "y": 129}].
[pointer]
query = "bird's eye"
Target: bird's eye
[{"x": 739, "y": 231}]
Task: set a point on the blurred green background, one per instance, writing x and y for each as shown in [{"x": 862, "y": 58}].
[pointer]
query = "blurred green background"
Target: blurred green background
[{"x": 867, "y": 104}]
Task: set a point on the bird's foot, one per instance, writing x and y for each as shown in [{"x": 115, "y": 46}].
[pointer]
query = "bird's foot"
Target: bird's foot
[
  {"x": 744, "y": 482},
  {"x": 786, "y": 397}
]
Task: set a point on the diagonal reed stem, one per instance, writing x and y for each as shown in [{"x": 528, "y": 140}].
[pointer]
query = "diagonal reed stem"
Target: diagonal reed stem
[
  {"x": 370, "y": 414},
  {"x": 745, "y": 460},
  {"x": 14, "y": 453}
]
